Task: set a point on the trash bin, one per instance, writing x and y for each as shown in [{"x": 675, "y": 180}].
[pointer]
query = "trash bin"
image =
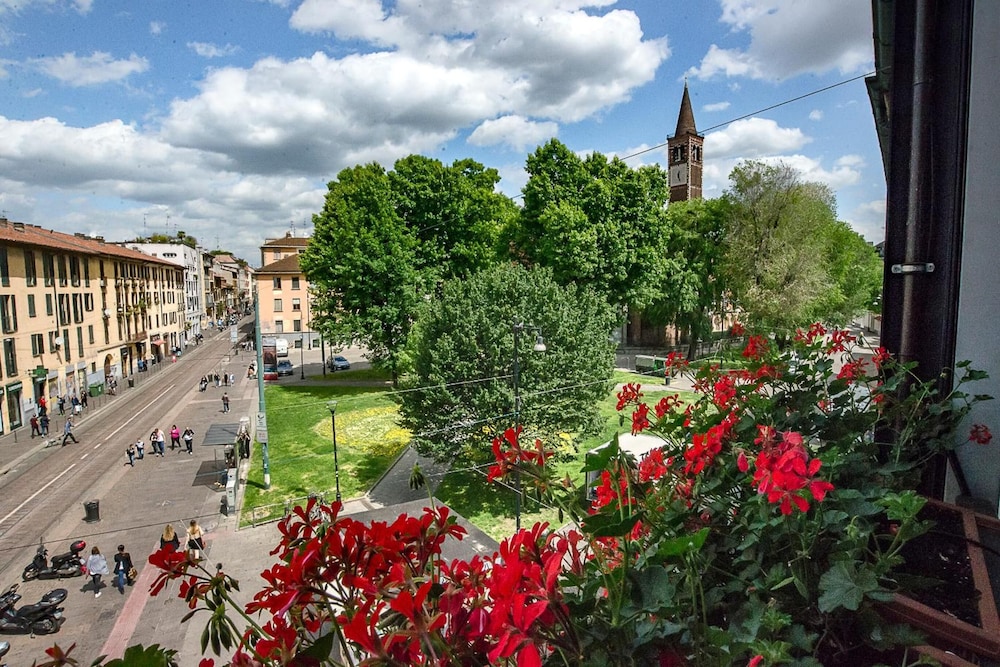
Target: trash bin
[
  {"x": 96, "y": 389},
  {"x": 93, "y": 510},
  {"x": 131, "y": 382}
]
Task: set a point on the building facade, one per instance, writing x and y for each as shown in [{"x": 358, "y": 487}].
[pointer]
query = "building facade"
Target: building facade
[
  {"x": 76, "y": 312},
  {"x": 283, "y": 292},
  {"x": 189, "y": 259}
]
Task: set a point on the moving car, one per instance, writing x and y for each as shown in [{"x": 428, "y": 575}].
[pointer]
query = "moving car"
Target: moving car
[
  {"x": 285, "y": 367},
  {"x": 281, "y": 347},
  {"x": 338, "y": 363}
]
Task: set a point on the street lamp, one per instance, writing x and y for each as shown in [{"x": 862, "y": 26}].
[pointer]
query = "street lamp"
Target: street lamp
[
  {"x": 302, "y": 355},
  {"x": 333, "y": 423},
  {"x": 539, "y": 346}
]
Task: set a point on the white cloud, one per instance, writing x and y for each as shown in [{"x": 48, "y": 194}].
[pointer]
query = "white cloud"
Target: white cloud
[
  {"x": 34, "y": 92},
  {"x": 97, "y": 68},
  {"x": 868, "y": 219},
  {"x": 515, "y": 131},
  {"x": 717, "y": 106},
  {"x": 157, "y": 27},
  {"x": 791, "y": 37},
  {"x": 816, "y": 115},
  {"x": 754, "y": 137},
  {"x": 206, "y": 50},
  {"x": 850, "y": 161},
  {"x": 716, "y": 172}
]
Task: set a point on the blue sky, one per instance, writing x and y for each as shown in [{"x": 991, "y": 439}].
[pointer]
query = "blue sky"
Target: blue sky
[{"x": 226, "y": 119}]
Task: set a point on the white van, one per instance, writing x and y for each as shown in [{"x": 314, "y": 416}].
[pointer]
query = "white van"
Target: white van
[{"x": 281, "y": 347}]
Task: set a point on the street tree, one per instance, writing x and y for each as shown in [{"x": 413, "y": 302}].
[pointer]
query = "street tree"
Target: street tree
[
  {"x": 776, "y": 244},
  {"x": 463, "y": 353},
  {"x": 361, "y": 266},
  {"x": 594, "y": 222},
  {"x": 693, "y": 286}
]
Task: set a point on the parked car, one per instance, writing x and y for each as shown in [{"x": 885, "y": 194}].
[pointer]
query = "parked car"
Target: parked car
[
  {"x": 281, "y": 347},
  {"x": 338, "y": 363},
  {"x": 285, "y": 367}
]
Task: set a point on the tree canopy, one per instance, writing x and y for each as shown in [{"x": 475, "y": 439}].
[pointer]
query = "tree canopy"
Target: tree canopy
[{"x": 463, "y": 355}]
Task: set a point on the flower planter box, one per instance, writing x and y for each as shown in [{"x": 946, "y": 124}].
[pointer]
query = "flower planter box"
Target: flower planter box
[{"x": 979, "y": 630}]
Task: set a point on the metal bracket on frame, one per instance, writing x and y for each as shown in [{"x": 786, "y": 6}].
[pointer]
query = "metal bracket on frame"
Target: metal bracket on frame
[{"x": 918, "y": 267}]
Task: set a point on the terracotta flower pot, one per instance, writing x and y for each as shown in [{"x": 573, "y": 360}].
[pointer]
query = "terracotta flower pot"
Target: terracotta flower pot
[{"x": 980, "y": 635}]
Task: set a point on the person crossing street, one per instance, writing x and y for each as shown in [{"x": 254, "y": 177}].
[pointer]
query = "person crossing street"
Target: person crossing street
[{"x": 68, "y": 432}]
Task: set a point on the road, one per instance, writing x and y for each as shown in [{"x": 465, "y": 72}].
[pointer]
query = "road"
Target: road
[{"x": 42, "y": 498}]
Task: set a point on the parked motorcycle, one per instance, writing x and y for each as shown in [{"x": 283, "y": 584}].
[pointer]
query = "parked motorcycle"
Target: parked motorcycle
[
  {"x": 42, "y": 618},
  {"x": 68, "y": 564}
]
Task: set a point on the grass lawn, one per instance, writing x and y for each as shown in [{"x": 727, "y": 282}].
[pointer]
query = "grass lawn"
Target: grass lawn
[{"x": 368, "y": 441}]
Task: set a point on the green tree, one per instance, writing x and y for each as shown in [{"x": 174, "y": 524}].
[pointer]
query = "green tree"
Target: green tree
[
  {"x": 776, "y": 244},
  {"x": 463, "y": 351},
  {"x": 361, "y": 265},
  {"x": 855, "y": 275},
  {"x": 594, "y": 222},
  {"x": 693, "y": 286},
  {"x": 454, "y": 213}
]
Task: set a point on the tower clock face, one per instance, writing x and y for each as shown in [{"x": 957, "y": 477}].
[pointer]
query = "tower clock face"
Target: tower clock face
[{"x": 678, "y": 174}]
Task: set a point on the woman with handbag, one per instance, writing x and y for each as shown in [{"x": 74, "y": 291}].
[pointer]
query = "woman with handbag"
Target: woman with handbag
[{"x": 124, "y": 569}]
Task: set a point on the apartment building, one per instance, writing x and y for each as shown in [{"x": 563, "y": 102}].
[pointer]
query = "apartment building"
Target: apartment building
[
  {"x": 75, "y": 312},
  {"x": 188, "y": 258},
  {"x": 283, "y": 292}
]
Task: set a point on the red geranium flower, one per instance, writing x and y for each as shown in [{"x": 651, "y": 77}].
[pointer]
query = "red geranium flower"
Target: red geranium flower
[{"x": 980, "y": 434}]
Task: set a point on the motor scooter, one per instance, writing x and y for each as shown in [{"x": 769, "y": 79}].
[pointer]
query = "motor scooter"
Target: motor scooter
[
  {"x": 68, "y": 564},
  {"x": 4, "y": 648},
  {"x": 42, "y": 618}
]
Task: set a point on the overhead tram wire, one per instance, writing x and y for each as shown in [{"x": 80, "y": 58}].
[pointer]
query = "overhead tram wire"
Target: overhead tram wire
[{"x": 760, "y": 111}]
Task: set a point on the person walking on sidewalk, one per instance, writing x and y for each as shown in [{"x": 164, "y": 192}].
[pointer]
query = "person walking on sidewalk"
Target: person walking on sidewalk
[
  {"x": 225, "y": 402},
  {"x": 35, "y": 428},
  {"x": 195, "y": 540},
  {"x": 43, "y": 423},
  {"x": 175, "y": 437},
  {"x": 123, "y": 568},
  {"x": 188, "y": 439},
  {"x": 62, "y": 405},
  {"x": 140, "y": 447},
  {"x": 130, "y": 453},
  {"x": 97, "y": 565},
  {"x": 169, "y": 536},
  {"x": 68, "y": 432}
]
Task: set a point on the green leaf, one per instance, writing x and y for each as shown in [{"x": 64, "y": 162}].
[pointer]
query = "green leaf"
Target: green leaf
[
  {"x": 843, "y": 586},
  {"x": 610, "y": 525},
  {"x": 599, "y": 460},
  {"x": 683, "y": 544}
]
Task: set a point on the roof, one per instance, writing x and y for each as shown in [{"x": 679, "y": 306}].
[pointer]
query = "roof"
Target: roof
[
  {"x": 685, "y": 119},
  {"x": 287, "y": 241},
  {"x": 283, "y": 266},
  {"x": 32, "y": 235}
]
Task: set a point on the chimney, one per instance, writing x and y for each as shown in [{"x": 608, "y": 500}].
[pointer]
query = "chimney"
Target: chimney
[{"x": 19, "y": 226}]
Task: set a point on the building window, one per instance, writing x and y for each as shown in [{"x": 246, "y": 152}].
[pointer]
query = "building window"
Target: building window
[
  {"x": 30, "y": 275},
  {"x": 37, "y": 345},
  {"x": 10, "y": 357},
  {"x": 48, "y": 304},
  {"x": 277, "y": 306},
  {"x": 74, "y": 271},
  {"x": 276, "y": 282},
  {"x": 297, "y": 325},
  {"x": 296, "y": 304},
  {"x": 90, "y": 334},
  {"x": 277, "y": 255},
  {"x": 65, "y": 337},
  {"x": 61, "y": 266},
  {"x": 8, "y": 313},
  {"x": 64, "y": 309},
  {"x": 77, "y": 308},
  {"x": 4, "y": 268},
  {"x": 279, "y": 326},
  {"x": 14, "y": 405},
  {"x": 88, "y": 302},
  {"x": 86, "y": 272},
  {"x": 48, "y": 268},
  {"x": 31, "y": 305},
  {"x": 295, "y": 283},
  {"x": 79, "y": 341}
]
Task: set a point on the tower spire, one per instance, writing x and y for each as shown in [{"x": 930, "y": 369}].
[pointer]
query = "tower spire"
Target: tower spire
[{"x": 685, "y": 119}]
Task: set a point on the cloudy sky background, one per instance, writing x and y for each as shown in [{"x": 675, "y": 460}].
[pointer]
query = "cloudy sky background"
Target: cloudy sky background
[{"x": 226, "y": 119}]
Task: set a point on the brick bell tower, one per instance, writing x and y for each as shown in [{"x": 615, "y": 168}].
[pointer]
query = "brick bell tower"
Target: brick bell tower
[{"x": 684, "y": 150}]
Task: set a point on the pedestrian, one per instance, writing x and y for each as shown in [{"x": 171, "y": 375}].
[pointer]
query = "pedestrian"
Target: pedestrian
[
  {"x": 75, "y": 403},
  {"x": 169, "y": 536},
  {"x": 139, "y": 447},
  {"x": 83, "y": 399},
  {"x": 195, "y": 540},
  {"x": 35, "y": 429},
  {"x": 175, "y": 437},
  {"x": 225, "y": 402},
  {"x": 43, "y": 423},
  {"x": 130, "y": 453},
  {"x": 43, "y": 407},
  {"x": 123, "y": 568},
  {"x": 188, "y": 439},
  {"x": 232, "y": 379},
  {"x": 97, "y": 565},
  {"x": 156, "y": 441},
  {"x": 68, "y": 431},
  {"x": 217, "y": 380},
  {"x": 225, "y": 379},
  {"x": 62, "y": 405}
]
